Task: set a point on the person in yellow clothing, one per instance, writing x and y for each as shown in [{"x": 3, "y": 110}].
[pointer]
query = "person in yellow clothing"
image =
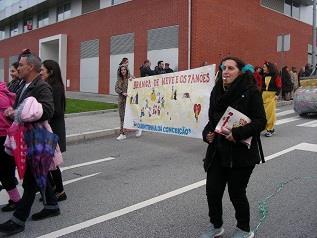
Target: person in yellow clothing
[{"x": 271, "y": 87}]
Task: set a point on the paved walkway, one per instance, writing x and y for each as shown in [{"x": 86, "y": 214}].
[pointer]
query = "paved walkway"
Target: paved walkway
[{"x": 90, "y": 125}]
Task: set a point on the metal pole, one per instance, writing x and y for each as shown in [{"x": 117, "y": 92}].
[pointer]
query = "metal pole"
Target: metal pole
[{"x": 314, "y": 36}]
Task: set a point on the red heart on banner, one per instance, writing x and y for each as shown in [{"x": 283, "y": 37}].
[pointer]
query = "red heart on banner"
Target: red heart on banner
[{"x": 197, "y": 108}]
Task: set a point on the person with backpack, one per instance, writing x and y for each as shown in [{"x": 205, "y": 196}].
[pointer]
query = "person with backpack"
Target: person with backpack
[{"x": 228, "y": 161}]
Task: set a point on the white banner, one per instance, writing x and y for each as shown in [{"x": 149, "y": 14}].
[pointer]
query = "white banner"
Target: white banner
[{"x": 175, "y": 103}]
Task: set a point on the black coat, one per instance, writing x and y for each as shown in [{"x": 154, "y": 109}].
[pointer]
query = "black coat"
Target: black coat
[
  {"x": 39, "y": 89},
  {"x": 146, "y": 71},
  {"x": 244, "y": 96},
  {"x": 58, "y": 121}
]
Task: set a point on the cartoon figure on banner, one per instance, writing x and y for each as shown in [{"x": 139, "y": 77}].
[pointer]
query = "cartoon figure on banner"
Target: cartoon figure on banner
[
  {"x": 162, "y": 102},
  {"x": 153, "y": 96},
  {"x": 158, "y": 97},
  {"x": 197, "y": 109},
  {"x": 225, "y": 122}
]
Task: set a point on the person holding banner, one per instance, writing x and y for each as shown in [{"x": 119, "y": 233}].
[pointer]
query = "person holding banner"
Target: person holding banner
[
  {"x": 121, "y": 89},
  {"x": 228, "y": 160}
]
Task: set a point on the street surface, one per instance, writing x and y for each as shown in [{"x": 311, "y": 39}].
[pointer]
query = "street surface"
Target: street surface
[{"x": 153, "y": 186}]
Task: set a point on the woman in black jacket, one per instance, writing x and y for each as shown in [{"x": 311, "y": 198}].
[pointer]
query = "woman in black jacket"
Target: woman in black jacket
[
  {"x": 228, "y": 161},
  {"x": 50, "y": 71},
  {"x": 287, "y": 84}
]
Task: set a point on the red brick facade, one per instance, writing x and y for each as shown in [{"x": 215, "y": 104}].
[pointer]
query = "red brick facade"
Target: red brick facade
[
  {"x": 219, "y": 28},
  {"x": 247, "y": 30}
]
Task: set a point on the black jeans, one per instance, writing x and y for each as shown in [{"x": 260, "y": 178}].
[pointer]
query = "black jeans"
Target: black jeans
[
  {"x": 30, "y": 187},
  {"x": 7, "y": 168},
  {"x": 237, "y": 179}
]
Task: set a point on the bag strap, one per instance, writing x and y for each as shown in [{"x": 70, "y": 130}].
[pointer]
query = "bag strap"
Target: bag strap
[{"x": 260, "y": 149}]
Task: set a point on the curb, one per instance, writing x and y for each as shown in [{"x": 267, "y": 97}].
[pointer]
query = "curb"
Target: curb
[
  {"x": 90, "y": 135},
  {"x": 284, "y": 103},
  {"x": 69, "y": 115}
]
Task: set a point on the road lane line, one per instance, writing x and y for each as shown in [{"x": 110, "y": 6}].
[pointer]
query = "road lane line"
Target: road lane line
[
  {"x": 284, "y": 113},
  {"x": 309, "y": 124},
  {"x": 286, "y": 120},
  {"x": 4, "y": 196},
  {"x": 124, "y": 211},
  {"x": 86, "y": 163},
  {"x": 307, "y": 147}
]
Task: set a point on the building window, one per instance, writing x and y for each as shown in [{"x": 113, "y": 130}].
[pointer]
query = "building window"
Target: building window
[
  {"x": 115, "y": 2},
  {"x": 42, "y": 19},
  {"x": 90, "y": 5},
  {"x": 288, "y": 7},
  {"x": 2, "y": 34},
  {"x": 291, "y": 8},
  {"x": 28, "y": 24},
  {"x": 63, "y": 12},
  {"x": 14, "y": 29}
]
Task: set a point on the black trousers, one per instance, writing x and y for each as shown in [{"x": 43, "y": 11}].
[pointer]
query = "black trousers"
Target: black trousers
[
  {"x": 7, "y": 168},
  {"x": 237, "y": 180},
  {"x": 30, "y": 187}
]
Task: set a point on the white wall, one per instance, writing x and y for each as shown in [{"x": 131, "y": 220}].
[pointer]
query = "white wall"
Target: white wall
[
  {"x": 52, "y": 15},
  {"x": 167, "y": 55},
  {"x": 114, "y": 64},
  {"x": 89, "y": 75},
  {"x": 76, "y": 6},
  {"x": 105, "y": 3},
  {"x": 306, "y": 14}
]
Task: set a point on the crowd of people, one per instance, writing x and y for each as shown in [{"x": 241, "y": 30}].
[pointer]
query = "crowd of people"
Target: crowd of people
[
  {"x": 32, "y": 134},
  {"x": 33, "y": 102}
]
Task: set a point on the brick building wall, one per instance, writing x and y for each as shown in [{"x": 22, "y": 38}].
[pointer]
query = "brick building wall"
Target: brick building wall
[
  {"x": 136, "y": 16},
  {"x": 245, "y": 29}
]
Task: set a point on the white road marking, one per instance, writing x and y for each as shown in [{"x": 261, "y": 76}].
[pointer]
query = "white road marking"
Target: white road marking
[
  {"x": 309, "y": 124},
  {"x": 286, "y": 120},
  {"x": 126, "y": 210},
  {"x": 86, "y": 163},
  {"x": 4, "y": 196},
  {"x": 307, "y": 147},
  {"x": 284, "y": 113}
]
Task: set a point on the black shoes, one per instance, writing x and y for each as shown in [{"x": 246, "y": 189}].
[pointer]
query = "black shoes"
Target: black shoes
[
  {"x": 11, "y": 206},
  {"x": 11, "y": 228},
  {"x": 45, "y": 213}
]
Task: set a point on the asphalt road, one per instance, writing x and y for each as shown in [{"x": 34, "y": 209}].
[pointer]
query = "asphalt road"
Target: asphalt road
[{"x": 153, "y": 186}]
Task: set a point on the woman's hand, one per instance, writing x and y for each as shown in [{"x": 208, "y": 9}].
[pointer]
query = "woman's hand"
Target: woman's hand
[
  {"x": 230, "y": 138},
  {"x": 125, "y": 94},
  {"x": 9, "y": 112},
  {"x": 210, "y": 137}
]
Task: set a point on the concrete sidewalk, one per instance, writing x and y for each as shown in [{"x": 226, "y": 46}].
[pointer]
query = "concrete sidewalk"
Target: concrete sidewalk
[{"x": 90, "y": 125}]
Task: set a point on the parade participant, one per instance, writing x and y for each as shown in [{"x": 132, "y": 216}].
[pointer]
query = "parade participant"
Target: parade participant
[
  {"x": 271, "y": 87},
  {"x": 287, "y": 84},
  {"x": 121, "y": 89},
  {"x": 51, "y": 73},
  {"x": 7, "y": 164},
  {"x": 15, "y": 82},
  {"x": 228, "y": 161},
  {"x": 33, "y": 86}
]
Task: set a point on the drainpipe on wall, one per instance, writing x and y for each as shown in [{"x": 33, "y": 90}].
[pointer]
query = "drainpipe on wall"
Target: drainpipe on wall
[
  {"x": 189, "y": 33},
  {"x": 314, "y": 36}
]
